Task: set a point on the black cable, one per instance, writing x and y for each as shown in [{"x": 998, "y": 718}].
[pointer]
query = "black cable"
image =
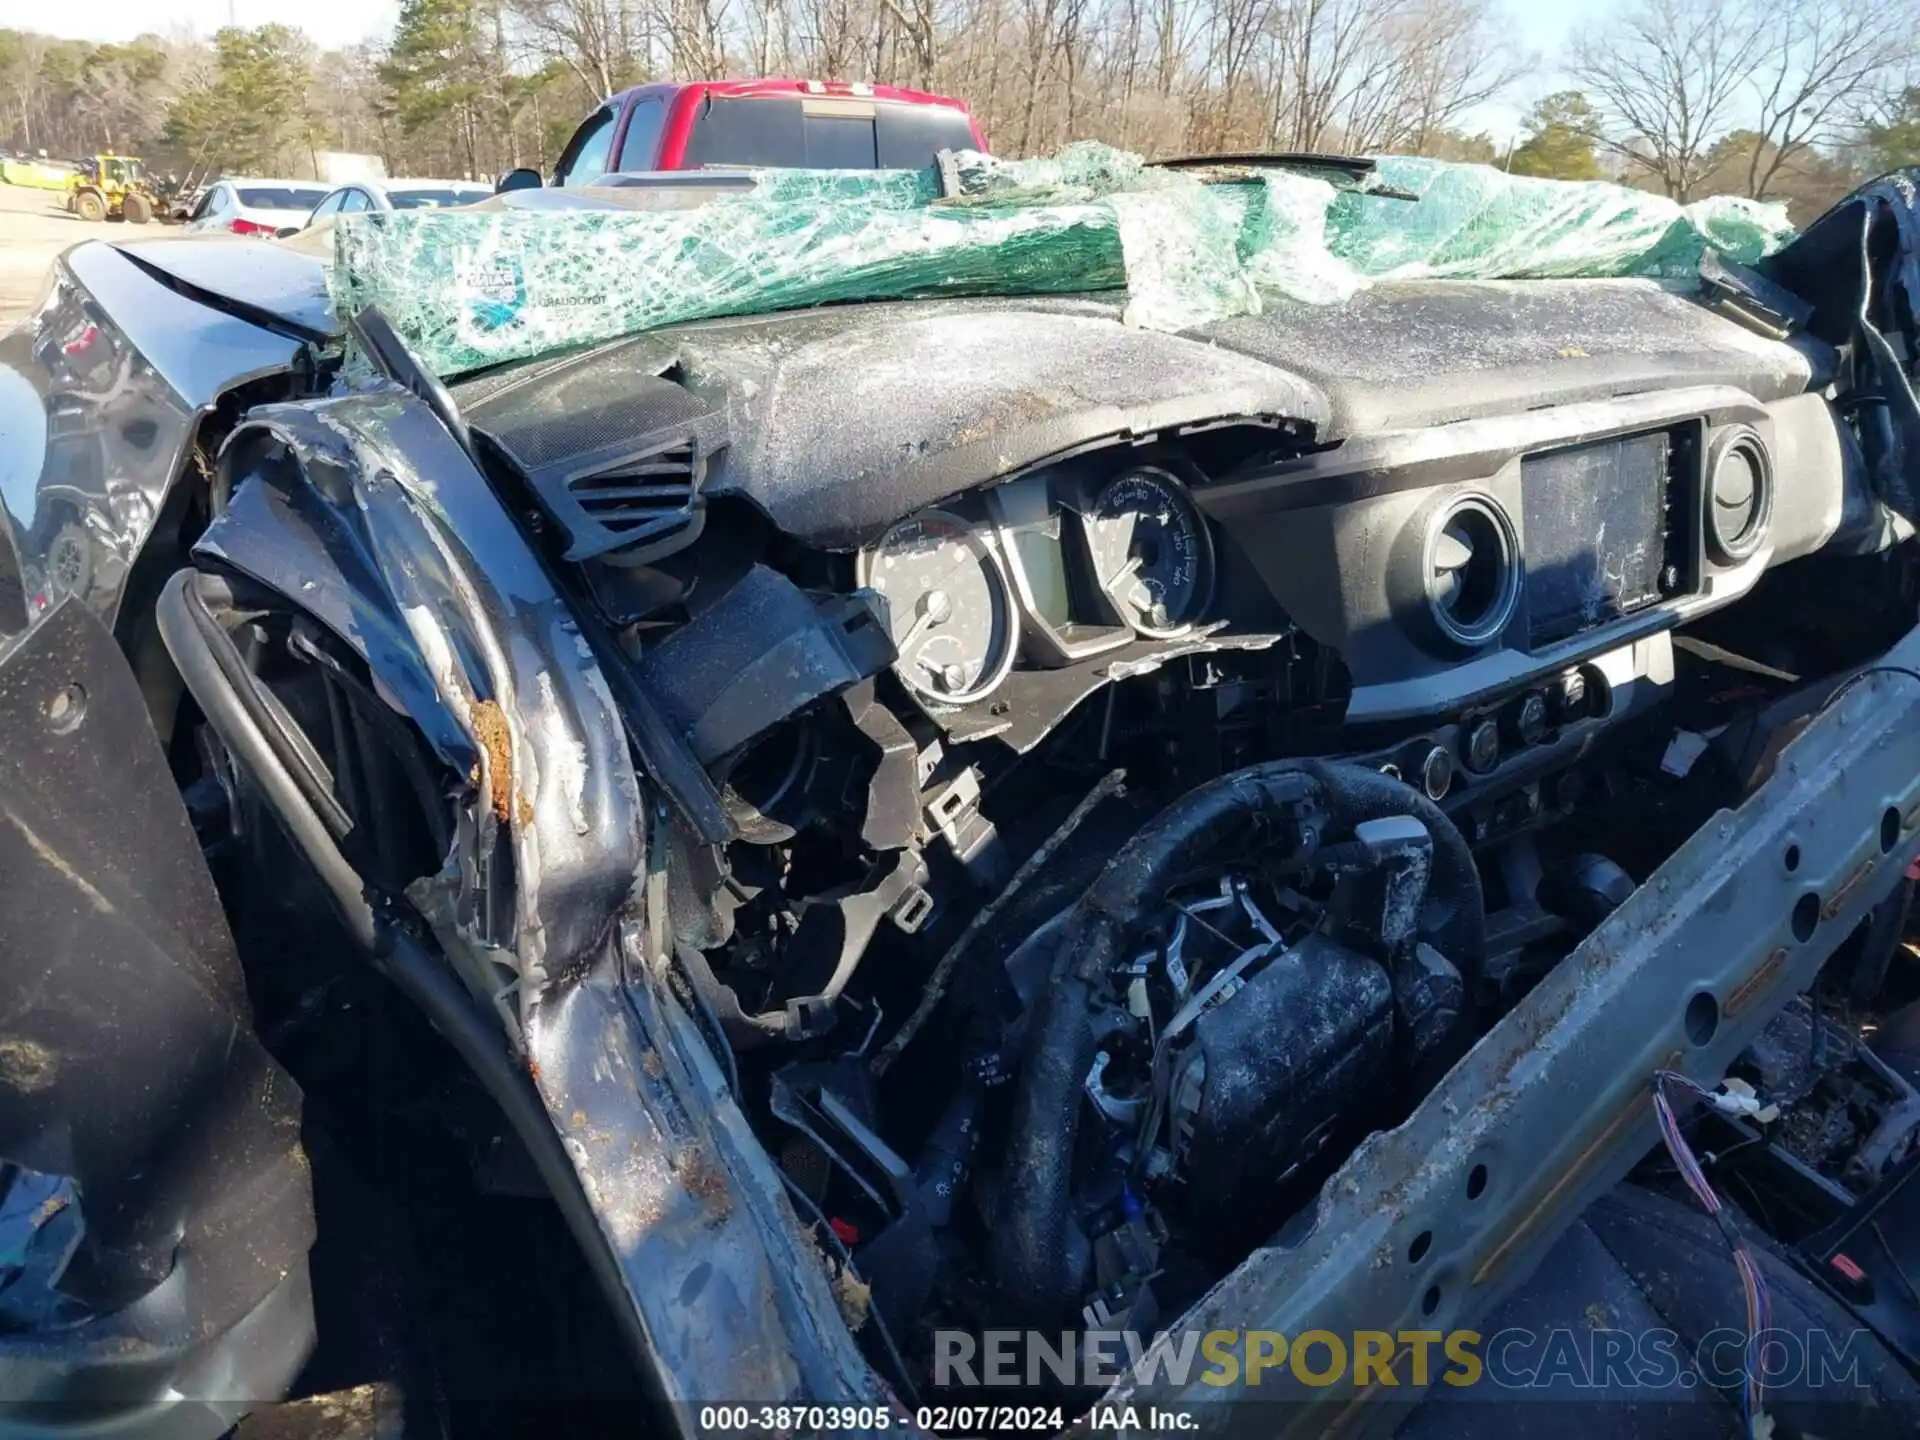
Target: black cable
[
  {"x": 1859, "y": 675},
  {"x": 1893, "y": 1259},
  {"x": 1816, "y": 1046},
  {"x": 934, "y": 991},
  {"x": 710, "y": 1022},
  {"x": 845, "y": 1257}
]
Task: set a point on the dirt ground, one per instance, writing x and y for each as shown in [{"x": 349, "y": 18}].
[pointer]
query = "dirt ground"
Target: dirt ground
[{"x": 33, "y": 230}]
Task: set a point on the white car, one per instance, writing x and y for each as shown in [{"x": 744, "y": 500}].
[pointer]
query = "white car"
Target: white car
[
  {"x": 365, "y": 195},
  {"x": 247, "y": 206}
]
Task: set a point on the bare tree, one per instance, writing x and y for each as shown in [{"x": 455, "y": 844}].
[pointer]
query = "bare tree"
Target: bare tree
[
  {"x": 1324, "y": 63},
  {"x": 1232, "y": 43},
  {"x": 1669, "y": 75},
  {"x": 1671, "y": 78},
  {"x": 592, "y": 38},
  {"x": 1370, "y": 75},
  {"x": 24, "y": 66},
  {"x": 1037, "y": 18},
  {"x": 1175, "y": 23},
  {"x": 916, "y": 22},
  {"x": 348, "y": 103},
  {"x": 695, "y": 33},
  {"x": 1830, "y": 60},
  {"x": 1449, "y": 57},
  {"x": 832, "y": 37},
  {"x": 769, "y": 36}
]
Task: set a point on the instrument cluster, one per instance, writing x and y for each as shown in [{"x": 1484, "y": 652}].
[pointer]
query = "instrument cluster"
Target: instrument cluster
[{"x": 1054, "y": 568}]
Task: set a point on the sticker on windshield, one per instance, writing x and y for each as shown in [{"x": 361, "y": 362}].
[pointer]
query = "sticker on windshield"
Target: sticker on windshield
[{"x": 491, "y": 288}]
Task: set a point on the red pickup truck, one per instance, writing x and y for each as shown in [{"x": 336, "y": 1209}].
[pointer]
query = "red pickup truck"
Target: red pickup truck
[{"x": 813, "y": 124}]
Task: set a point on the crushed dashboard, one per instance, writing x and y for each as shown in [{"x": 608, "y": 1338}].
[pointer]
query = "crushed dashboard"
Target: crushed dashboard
[
  {"x": 940, "y": 814},
  {"x": 945, "y": 616}
]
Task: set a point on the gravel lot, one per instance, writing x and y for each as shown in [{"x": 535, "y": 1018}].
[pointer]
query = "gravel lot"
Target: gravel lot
[{"x": 34, "y": 229}]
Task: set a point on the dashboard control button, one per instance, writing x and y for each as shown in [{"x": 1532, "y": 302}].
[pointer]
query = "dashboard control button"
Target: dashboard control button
[
  {"x": 1527, "y": 719},
  {"x": 1568, "y": 698},
  {"x": 1483, "y": 746}
]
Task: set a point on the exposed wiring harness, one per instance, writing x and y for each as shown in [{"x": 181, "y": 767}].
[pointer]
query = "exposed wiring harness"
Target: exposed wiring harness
[
  {"x": 1735, "y": 1098},
  {"x": 902, "y": 1379}
]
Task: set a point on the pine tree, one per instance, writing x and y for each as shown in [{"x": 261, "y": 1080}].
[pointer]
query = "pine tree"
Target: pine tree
[
  {"x": 441, "y": 70},
  {"x": 247, "y": 108},
  {"x": 1559, "y": 143},
  {"x": 1894, "y": 141}
]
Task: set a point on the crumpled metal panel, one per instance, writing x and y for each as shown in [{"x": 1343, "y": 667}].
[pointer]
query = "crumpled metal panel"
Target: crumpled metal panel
[
  {"x": 1882, "y": 216},
  {"x": 263, "y": 273},
  {"x": 303, "y": 539},
  {"x": 101, "y": 389},
  {"x": 427, "y": 576},
  {"x": 1553, "y": 1106},
  {"x": 128, "y": 1062},
  {"x": 734, "y": 1298},
  {"x": 382, "y": 529}
]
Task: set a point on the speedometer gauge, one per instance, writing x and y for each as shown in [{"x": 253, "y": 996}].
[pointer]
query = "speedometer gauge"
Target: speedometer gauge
[
  {"x": 949, "y": 607},
  {"x": 1151, "y": 552}
]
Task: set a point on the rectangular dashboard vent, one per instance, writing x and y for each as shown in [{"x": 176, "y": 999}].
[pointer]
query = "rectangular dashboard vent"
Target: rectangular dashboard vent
[
  {"x": 1595, "y": 519},
  {"x": 639, "y": 505},
  {"x": 617, "y": 455},
  {"x": 644, "y": 499}
]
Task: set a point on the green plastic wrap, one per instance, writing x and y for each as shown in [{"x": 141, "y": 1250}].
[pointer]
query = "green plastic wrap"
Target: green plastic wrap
[{"x": 474, "y": 287}]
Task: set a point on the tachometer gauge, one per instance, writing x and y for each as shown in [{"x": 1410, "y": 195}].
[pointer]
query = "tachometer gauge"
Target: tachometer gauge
[
  {"x": 949, "y": 606},
  {"x": 1151, "y": 552}
]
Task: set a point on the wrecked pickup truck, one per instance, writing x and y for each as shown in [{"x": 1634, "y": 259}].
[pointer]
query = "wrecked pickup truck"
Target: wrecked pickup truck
[{"x": 942, "y": 811}]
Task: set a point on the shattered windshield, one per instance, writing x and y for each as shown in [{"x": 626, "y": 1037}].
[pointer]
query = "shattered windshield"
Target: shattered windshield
[{"x": 480, "y": 286}]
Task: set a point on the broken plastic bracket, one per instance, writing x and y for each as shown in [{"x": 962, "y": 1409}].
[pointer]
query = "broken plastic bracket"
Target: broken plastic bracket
[
  {"x": 954, "y": 811},
  {"x": 756, "y": 655},
  {"x": 840, "y": 925}
]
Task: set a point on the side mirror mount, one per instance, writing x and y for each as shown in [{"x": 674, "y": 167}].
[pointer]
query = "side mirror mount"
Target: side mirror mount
[{"x": 521, "y": 179}]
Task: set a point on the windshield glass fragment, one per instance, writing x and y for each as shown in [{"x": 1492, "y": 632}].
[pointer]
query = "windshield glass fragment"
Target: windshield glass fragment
[{"x": 480, "y": 286}]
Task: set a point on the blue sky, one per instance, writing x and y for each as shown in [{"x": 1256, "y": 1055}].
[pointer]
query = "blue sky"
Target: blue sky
[{"x": 1539, "y": 27}]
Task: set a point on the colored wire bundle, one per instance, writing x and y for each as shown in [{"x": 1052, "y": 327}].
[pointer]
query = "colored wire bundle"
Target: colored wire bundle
[{"x": 1753, "y": 1284}]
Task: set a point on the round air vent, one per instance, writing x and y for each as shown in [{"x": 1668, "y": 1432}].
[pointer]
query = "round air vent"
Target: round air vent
[
  {"x": 1739, "y": 497},
  {"x": 1470, "y": 574}
]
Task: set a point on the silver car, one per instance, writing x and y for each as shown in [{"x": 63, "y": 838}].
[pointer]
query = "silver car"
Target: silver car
[
  {"x": 254, "y": 206},
  {"x": 364, "y": 195}
]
